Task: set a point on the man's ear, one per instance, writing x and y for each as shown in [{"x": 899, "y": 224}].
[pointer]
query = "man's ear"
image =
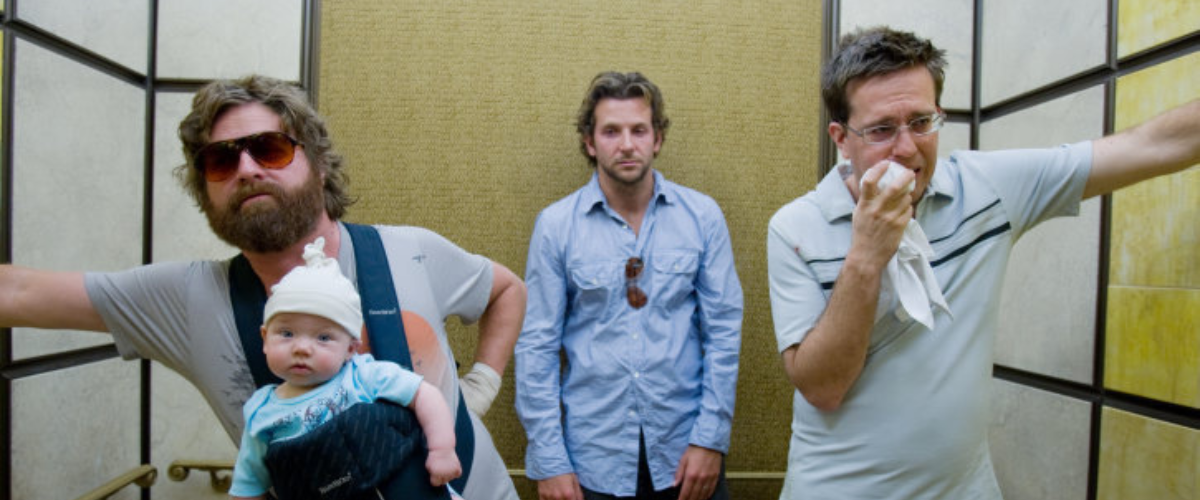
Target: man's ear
[
  {"x": 837, "y": 132},
  {"x": 590, "y": 144}
]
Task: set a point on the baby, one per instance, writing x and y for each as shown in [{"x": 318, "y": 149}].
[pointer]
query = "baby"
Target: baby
[{"x": 311, "y": 332}]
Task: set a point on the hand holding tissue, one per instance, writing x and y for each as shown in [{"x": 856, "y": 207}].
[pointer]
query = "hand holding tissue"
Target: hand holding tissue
[{"x": 908, "y": 287}]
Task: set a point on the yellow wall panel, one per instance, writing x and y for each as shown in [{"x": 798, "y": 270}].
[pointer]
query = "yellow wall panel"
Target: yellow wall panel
[
  {"x": 1152, "y": 343},
  {"x": 1145, "y": 458},
  {"x": 1155, "y": 239},
  {"x": 1145, "y": 23}
]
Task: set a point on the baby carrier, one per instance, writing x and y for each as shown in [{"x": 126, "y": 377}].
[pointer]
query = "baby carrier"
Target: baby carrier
[{"x": 370, "y": 451}]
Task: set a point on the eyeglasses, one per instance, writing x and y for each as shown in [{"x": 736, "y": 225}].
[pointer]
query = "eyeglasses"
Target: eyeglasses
[
  {"x": 883, "y": 134},
  {"x": 219, "y": 160},
  {"x": 633, "y": 270}
]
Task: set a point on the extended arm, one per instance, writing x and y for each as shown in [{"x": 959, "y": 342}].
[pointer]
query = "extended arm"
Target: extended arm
[
  {"x": 825, "y": 365},
  {"x": 1162, "y": 145},
  {"x": 46, "y": 299}
]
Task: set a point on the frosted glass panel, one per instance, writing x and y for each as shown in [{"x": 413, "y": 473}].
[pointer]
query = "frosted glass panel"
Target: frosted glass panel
[
  {"x": 947, "y": 23},
  {"x": 1039, "y": 443},
  {"x": 184, "y": 428},
  {"x": 77, "y": 169},
  {"x": 1031, "y": 43},
  {"x": 229, "y": 38},
  {"x": 1048, "y": 326},
  {"x": 75, "y": 429},
  {"x": 115, "y": 29},
  {"x": 180, "y": 231},
  {"x": 953, "y": 137}
]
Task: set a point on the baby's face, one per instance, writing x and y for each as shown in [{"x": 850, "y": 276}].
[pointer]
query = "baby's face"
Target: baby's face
[{"x": 305, "y": 350}]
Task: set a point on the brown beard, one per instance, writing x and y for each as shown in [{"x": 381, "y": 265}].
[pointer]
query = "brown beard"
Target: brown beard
[{"x": 267, "y": 228}]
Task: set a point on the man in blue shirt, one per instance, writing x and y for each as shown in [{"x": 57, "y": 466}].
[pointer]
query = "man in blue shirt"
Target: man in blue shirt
[{"x": 632, "y": 279}]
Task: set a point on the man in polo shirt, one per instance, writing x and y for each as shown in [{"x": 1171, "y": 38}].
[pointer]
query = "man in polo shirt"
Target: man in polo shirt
[{"x": 886, "y": 328}]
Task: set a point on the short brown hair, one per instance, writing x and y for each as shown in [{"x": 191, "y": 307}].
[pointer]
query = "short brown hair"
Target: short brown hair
[{"x": 872, "y": 52}]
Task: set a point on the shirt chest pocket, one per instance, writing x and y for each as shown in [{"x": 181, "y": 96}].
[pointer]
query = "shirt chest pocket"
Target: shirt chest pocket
[
  {"x": 673, "y": 278},
  {"x": 592, "y": 286}
]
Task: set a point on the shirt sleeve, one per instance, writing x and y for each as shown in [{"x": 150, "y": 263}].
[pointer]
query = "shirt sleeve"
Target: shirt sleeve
[
  {"x": 537, "y": 367},
  {"x": 145, "y": 309},
  {"x": 797, "y": 299},
  {"x": 719, "y": 310},
  {"x": 1035, "y": 184},
  {"x": 387, "y": 380},
  {"x": 461, "y": 281}
]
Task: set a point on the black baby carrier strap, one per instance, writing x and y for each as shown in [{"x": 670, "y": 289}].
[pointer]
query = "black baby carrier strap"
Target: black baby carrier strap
[{"x": 381, "y": 313}]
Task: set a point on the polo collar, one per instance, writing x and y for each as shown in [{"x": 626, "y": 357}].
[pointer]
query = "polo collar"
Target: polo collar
[{"x": 834, "y": 199}]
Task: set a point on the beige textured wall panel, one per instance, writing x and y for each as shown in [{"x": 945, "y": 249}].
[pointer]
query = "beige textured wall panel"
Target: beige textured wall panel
[{"x": 459, "y": 117}]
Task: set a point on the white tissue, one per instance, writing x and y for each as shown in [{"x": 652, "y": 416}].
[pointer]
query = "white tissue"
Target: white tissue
[{"x": 909, "y": 278}]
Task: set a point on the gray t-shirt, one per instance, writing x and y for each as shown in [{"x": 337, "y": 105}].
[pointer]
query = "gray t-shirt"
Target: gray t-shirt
[{"x": 179, "y": 314}]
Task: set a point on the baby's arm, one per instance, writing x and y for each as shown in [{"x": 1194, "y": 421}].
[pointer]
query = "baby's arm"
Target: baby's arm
[{"x": 438, "y": 426}]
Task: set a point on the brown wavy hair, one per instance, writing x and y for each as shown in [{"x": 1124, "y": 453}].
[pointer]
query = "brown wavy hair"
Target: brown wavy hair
[
  {"x": 297, "y": 116},
  {"x": 614, "y": 85}
]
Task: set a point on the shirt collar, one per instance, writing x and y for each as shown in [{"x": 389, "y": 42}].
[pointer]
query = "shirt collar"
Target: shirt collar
[{"x": 593, "y": 198}]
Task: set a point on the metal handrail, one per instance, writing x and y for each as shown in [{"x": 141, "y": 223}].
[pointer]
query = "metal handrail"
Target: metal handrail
[
  {"x": 142, "y": 475},
  {"x": 220, "y": 472}
]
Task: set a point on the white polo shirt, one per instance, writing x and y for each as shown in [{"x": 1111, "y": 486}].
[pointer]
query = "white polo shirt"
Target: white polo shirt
[{"x": 914, "y": 425}]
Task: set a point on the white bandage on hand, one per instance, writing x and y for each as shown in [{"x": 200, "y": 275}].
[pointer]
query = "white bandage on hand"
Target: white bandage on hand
[{"x": 479, "y": 388}]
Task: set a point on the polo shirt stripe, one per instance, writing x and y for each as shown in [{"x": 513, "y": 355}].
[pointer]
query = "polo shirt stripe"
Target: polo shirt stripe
[{"x": 1003, "y": 228}]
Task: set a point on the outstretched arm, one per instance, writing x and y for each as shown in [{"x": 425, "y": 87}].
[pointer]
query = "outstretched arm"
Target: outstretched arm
[
  {"x": 46, "y": 299},
  {"x": 1165, "y": 144}
]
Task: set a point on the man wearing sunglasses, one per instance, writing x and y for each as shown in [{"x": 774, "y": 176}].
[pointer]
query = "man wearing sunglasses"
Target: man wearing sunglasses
[
  {"x": 631, "y": 279},
  {"x": 261, "y": 167},
  {"x": 885, "y": 279}
]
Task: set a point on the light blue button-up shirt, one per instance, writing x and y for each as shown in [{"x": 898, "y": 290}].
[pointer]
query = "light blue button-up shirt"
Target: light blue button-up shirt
[{"x": 667, "y": 370}]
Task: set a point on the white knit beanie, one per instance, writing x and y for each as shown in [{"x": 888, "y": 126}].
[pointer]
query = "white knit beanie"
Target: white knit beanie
[{"x": 318, "y": 288}]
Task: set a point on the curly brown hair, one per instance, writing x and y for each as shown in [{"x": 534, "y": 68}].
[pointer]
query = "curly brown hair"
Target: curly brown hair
[{"x": 299, "y": 120}]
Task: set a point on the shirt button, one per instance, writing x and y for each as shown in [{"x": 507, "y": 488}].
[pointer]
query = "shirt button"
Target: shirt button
[
  {"x": 632, "y": 414},
  {"x": 636, "y": 374},
  {"x": 635, "y": 336}
]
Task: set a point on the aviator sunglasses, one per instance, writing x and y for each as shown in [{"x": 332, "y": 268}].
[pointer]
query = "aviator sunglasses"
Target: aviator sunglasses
[
  {"x": 634, "y": 294},
  {"x": 219, "y": 160}
]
